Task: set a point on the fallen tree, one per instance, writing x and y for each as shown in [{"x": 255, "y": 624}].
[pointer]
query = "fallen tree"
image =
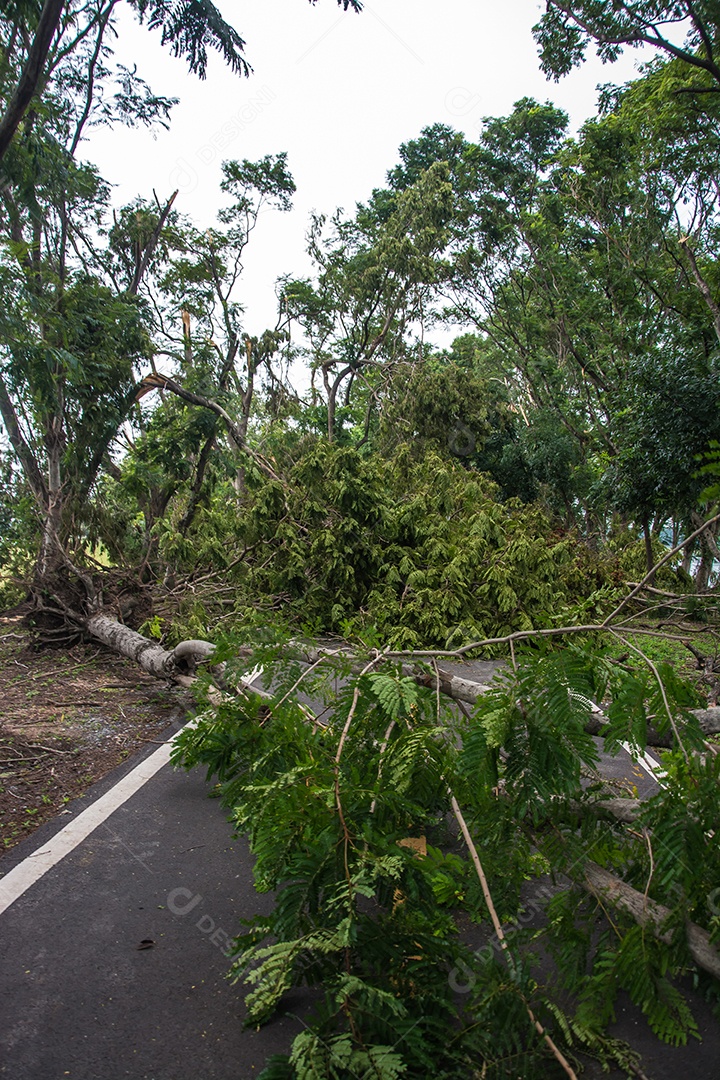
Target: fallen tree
[
  {"x": 184, "y": 659},
  {"x": 152, "y": 658},
  {"x": 609, "y": 888},
  {"x": 325, "y": 798},
  {"x": 334, "y": 811}
]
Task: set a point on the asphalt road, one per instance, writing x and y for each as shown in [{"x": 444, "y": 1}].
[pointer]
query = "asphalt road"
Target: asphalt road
[{"x": 80, "y": 998}]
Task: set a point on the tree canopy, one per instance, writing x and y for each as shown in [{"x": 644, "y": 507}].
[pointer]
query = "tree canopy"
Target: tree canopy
[
  {"x": 210, "y": 491},
  {"x": 685, "y": 31}
]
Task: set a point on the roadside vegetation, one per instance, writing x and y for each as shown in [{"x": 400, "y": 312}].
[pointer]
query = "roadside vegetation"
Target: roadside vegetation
[{"x": 543, "y": 492}]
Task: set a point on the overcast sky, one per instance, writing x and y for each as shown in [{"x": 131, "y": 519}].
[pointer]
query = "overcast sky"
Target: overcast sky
[{"x": 339, "y": 92}]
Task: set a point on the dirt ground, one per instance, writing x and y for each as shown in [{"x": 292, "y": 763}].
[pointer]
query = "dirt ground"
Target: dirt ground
[{"x": 67, "y": 717}]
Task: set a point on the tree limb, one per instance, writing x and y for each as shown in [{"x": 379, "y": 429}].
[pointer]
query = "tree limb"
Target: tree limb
[
  {"x": 604, "y": 885},
  {"x": 25, "y": 90},
  {"x": 155, "y": 381},
  {"x": 702, "y": 285},
  {"x": 497, "y": 925},
  {"x": 640, "y": 36},
  {"x": 25, "y": 455},
  {"x": 144, "y": 260}
]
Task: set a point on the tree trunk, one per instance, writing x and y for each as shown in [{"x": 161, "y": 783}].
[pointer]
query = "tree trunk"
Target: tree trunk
[
  {"x": 196, "y": 492},
  {"x": 167, "y": 664},
  {"x": 151, "y": 657},
  {"x": 702, "y": 574},
  {"x": 649, "y": 557},
  {"x": 331, "y": 392},
  {"x": 243, "y": 425},
  {"x": 646, "y": 912},
  {"x": 32, "y": 72},
  {"x": 23, "y": 452},
  {"x": 469, "y": 691},
  {"x": 51, "y": 551}
]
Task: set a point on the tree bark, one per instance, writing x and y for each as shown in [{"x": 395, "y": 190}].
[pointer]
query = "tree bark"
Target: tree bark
[
  {"x": 625, "y": 810},
  {"x": 196, "y": 492},
  {"x": 32, "y": 72},
  {"x": 182, "y": 661},
  {"x": 151, "y": 657},
  {"x": 51, "y": 552},
  {"x": 705, "y": 566},
  {"x": 165, "y": 664},
  {"x": 646, "y": 912}
]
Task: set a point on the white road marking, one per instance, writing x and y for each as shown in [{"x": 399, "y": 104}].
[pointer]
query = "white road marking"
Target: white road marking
[
  {"x": 642, "y": 758},
  {"x": 18, "y": 880},
  {"x": 652, "y": 767},
  {"x": 21, "y": 877}
]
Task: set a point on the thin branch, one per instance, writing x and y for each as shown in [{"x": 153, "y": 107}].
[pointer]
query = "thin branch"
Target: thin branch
[
  {"x": 325, "y": 656},
  {"x": 347, "y": 839},
  {"x": 651, "y": 573},
  {"x": 156, "y": 381},
  {"x": 640, "y": 37},
  {"x": 356, "y": 697},
  {"x": 149, "y": 249},
  {"x": 500, "y": 934},
  {"x": 90, "y": 86},
  {"x": 646, "y": 659},
  {"x": 24, "y": 453},
  {"x": 646, "y": 834}
]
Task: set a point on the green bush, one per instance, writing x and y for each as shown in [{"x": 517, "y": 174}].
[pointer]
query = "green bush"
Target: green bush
[{"x": 420, "y": 552}]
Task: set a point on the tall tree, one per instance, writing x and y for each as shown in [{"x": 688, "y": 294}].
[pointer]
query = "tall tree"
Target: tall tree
[
  {"x": 75, "y": 326},
  {"x": 375, "y": 274},
  {"x": 587, "y": 263},
  {"x": 200, "y": 336}
]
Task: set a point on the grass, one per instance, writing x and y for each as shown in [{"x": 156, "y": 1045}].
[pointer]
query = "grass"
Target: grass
[{"x": 672, "y": 650}]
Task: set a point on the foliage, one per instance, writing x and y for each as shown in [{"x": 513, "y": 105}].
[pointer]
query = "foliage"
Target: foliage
[
  {"x": 587, "y": 389},
  {"x": 374, "y": 275},
  {"x": 566, "y": 29},
  {"x": 414, "y": 498},
  {"x": 18, "y": 533},
  {"x": 363, "y": 913},
  {"x": 421, "y": 551},
  {"x": 669, "y": 418},
  {"x": 85, "y": 300}
]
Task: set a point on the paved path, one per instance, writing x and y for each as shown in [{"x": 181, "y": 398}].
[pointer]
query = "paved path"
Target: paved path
[{"x": 79, "y": 999}]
